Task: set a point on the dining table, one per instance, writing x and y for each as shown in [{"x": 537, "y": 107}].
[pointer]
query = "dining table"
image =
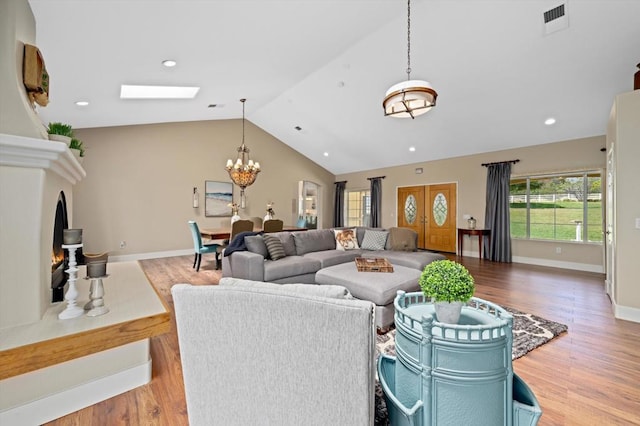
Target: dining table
[{"x": 225, "y": 232}]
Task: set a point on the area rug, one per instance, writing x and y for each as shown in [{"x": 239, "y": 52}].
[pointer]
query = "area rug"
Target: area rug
[{"x": 529, "y": 332}]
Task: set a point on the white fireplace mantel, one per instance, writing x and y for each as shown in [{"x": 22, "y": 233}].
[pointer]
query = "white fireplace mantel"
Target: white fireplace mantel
[
  {"x": 33, "y": 173},
  {"x": 19, "y": 151}
]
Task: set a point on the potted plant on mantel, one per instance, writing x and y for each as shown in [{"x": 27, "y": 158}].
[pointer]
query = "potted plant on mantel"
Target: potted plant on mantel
[
  {"x": 77, "y": 148},
  {"x": 449, "y": 285},
  {"x": 60, "y": 132}
]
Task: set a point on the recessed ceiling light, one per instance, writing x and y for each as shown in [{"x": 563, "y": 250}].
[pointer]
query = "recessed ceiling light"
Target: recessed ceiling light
[
  {"x": 412, "y": 148},
  {"x": 550, "y": 121},
  {"x": 169, "y": 63},
  {"x": 326, "y": 154},
  {"x": 82, "y": 103},
  {"x": 157, "y": 92}
]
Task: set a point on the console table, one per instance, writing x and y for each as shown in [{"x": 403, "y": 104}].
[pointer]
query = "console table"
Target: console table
[{"x": 479, "y": 232}]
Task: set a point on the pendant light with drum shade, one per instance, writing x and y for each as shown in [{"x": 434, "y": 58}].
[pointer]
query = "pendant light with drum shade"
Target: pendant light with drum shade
[
  {"x": 243, "y": 171},
  {"x": 409, "y": 98}
]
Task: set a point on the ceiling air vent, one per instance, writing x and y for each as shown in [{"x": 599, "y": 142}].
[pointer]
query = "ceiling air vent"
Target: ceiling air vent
[
  {"x": 556, "y": 19},
  {"x": 553, "y": 14}
]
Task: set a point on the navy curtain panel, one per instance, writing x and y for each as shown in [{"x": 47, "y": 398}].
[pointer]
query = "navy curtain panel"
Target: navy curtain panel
[
  {"x": 376, "y": 201},
  {"x": 496, "y": 216},
  {"x": 338, "y": 205}
]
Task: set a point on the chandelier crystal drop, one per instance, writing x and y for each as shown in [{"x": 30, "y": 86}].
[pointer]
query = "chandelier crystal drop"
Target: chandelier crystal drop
[
  {"x": 243, "y": 171},
  {"x": 409, "y": 98}
]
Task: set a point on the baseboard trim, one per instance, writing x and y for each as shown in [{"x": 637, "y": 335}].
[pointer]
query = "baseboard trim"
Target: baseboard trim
[
  {"x": 150, "y": 255},
  {"x": 73, "y": 399},
  {"x": 626, "y": 313}
]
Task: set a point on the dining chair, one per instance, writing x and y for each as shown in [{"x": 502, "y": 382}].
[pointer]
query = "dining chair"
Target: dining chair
[
  {"x": 242, "y": 225},
  {"x": 272, "y": 225},
  {"x": 201, "y": 248}
]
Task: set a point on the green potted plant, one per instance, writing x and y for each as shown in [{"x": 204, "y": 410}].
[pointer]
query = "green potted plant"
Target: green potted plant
[
  {"x": 77, "y": 148},
  {"x": 450, "y": 285},
  {"x": 60, "y": 132}
]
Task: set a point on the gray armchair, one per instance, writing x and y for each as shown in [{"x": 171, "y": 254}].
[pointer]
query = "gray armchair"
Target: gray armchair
[{"x": 257, "y": 353}]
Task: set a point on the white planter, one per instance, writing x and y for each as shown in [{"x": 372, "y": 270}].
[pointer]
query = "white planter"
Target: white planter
[
  {"x": 235, "y": 218},
  {"x": 60, "y": 138},
  {"x": 448, "y": 312},
  {"x": 76, "y": 153}
]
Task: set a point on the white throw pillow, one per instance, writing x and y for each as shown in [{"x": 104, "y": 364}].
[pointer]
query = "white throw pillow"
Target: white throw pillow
[{"x": 346, "y": 239}]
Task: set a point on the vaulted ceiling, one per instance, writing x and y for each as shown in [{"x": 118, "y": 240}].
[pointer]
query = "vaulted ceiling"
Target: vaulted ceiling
[{"x": 324, "y": 66}]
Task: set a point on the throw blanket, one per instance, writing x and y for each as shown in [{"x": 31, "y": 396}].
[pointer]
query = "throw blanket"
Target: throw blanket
[{"x": 237, "y": 244}]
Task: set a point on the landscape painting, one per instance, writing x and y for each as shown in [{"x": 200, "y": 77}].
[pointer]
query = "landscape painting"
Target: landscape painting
[{"x": 217, "y": 197}]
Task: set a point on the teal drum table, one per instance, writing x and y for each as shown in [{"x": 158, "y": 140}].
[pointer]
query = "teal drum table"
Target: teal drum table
[{"x": 454, "y": 374}]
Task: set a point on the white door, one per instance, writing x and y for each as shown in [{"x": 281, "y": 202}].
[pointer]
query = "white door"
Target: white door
[{"x": 610, "y": 246}]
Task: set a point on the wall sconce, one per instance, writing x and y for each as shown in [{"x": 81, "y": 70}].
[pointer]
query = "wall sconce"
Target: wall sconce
[{"x": 196, "y": 198}]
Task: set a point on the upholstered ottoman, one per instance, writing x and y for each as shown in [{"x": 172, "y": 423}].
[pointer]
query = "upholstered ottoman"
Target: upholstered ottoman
[{"x": 377, "y": 287}]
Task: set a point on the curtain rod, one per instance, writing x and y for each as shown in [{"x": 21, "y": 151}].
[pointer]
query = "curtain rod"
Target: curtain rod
[
  {"x": 377, "y": 177},
  {"x": 501, "y": 162},
  {"x": 342, "y": 181}
]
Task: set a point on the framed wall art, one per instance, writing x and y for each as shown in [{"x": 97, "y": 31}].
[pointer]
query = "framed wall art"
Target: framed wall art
[{"x": 217, "y": 196}]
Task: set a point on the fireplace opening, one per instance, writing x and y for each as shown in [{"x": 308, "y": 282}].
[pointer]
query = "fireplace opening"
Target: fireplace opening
[{"x": 59, "y": 259}]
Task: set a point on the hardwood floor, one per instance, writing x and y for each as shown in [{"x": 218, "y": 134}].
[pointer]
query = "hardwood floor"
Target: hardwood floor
[{"x": 588, "y": 376}]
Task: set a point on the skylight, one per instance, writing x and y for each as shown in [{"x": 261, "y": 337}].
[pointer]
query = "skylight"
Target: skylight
[{"x": 157, "y": 92}]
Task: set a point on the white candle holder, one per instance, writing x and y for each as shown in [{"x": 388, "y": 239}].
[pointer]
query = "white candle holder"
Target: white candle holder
[
  {"x": 72, "y": 310},
  {"x": 95, "y": 306}
]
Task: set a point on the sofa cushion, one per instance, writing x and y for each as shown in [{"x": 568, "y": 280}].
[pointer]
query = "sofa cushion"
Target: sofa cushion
[
  {"x": 274, "y": 247},
  {"x": 402, "y": 239},
  {"x": 287, "y": 242},
  {"x": 333, "y": 257},
  {"x": 330, "y": 291},
  {"x": 313, "y": 240},
  {"x": 374, "y": 240},
  {"x": 289, "y": 266},
  {"x": 346, "y": 239},
  {"x": 255, "y": 244}
]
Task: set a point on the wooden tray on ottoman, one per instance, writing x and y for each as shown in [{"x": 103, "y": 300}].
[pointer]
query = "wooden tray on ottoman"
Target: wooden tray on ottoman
[{"x": 373, "y": 265}]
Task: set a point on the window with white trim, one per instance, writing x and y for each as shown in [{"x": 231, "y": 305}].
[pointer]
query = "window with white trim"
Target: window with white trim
[
  {"x": 560, "y": 207},
  {"x": 357, "y": 207}
]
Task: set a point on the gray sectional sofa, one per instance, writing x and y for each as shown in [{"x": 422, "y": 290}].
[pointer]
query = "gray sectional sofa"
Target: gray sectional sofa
[{"x": 312, "y": 257}]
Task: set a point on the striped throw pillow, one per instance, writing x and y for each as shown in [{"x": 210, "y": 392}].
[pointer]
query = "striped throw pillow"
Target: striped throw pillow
[{"x": 274, "y": 247}]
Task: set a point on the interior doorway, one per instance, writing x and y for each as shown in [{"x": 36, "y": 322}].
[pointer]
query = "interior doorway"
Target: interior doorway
[{"x": 431, "y": 211}]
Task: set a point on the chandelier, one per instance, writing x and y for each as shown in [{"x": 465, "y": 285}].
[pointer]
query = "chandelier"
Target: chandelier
[
  {"x": 244, "y": 171},
  {"x": 409, "y": 98}
]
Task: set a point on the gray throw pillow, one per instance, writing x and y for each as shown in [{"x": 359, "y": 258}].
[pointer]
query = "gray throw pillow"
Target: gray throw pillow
[
  {"x": 374, "y": 240},
  {"x": 255, "y": 244},
  {"x": 274, "y": 247}
]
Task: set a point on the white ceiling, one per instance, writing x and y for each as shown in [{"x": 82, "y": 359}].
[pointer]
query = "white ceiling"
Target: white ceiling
[{"x": 324, "y": 65}]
